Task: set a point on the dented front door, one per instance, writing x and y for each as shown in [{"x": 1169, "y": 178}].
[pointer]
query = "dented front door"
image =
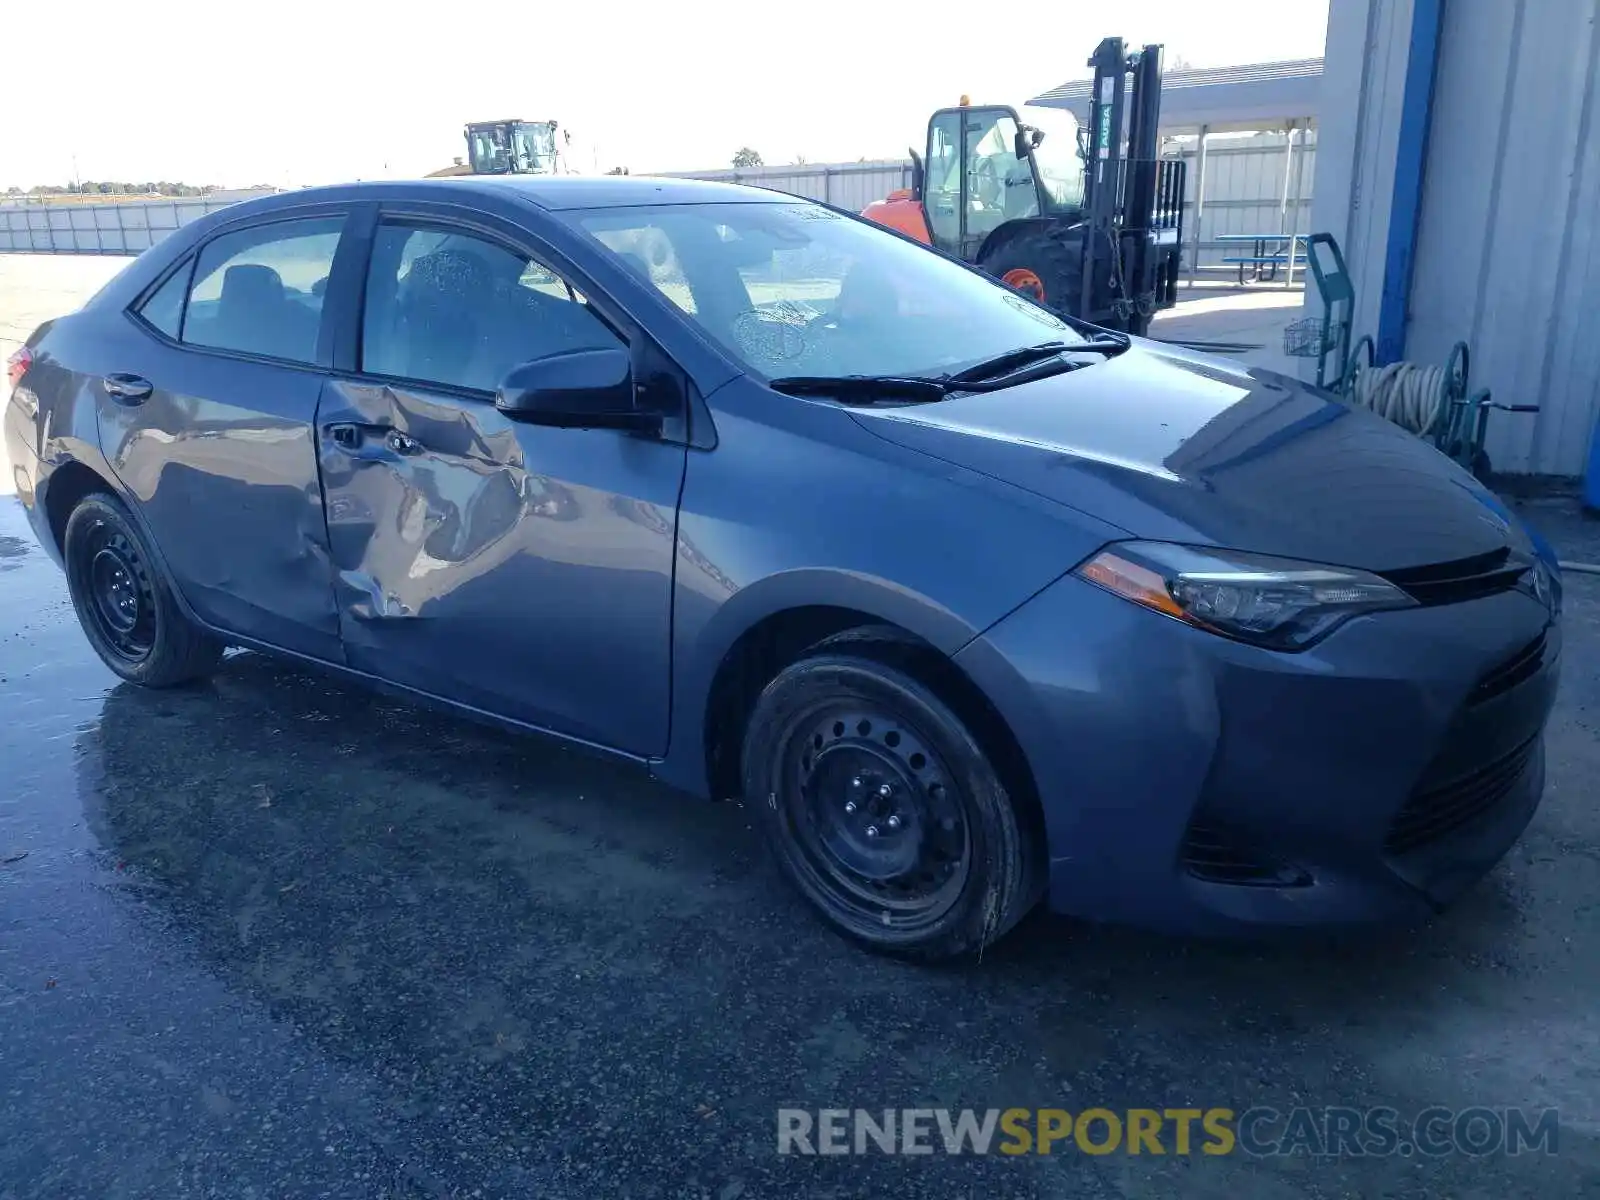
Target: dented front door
[{"x": 525, "y": 571}]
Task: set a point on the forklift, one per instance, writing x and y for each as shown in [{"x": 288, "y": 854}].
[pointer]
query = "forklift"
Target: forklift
[{"x": 1089, "y": 222}]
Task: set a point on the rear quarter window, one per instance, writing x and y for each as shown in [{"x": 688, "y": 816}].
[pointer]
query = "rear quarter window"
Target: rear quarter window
[{"x": 163, "y": 308}]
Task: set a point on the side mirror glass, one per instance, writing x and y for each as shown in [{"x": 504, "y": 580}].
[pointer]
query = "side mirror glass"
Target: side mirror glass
[{"x": 576, "y": 389}]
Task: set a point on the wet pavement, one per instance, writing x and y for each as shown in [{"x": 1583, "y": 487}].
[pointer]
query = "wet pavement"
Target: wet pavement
[{"x": 273, "y": 936}]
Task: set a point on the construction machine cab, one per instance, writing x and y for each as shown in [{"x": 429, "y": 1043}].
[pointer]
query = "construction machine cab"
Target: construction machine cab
[
  {"x": 987, "y": 165},
  {"x": 512, "y": 147}
]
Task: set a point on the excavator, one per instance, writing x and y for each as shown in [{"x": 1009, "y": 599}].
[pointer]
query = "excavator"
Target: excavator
[
  {"x": 1088, "y": 221},
  {"x": 512, "y": 147}
]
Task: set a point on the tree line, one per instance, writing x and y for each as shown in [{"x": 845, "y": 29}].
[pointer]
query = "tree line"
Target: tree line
[{"x": 92, "y": 187}]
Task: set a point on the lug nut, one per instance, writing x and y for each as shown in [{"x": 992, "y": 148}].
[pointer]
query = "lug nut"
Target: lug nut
[
  {"x": 849, "y": 806},
  {"x": 885, "y": 790},
  {"x": 872, "y": 831},
  {"x": 894, "y": 822},
  {"x": 857, "y": 782}
]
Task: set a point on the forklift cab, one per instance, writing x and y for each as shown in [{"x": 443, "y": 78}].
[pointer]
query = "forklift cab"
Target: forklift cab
[{"x": 986, "y": 165}]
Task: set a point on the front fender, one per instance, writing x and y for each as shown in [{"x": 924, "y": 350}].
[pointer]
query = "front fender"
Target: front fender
[
  {"x": 700, "y": 650},
  {"x": 800, "y": 507}
]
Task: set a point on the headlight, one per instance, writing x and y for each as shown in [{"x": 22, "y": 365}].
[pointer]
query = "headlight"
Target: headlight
[
  {"x": 1279, "y": 603},
  {"x": 1543, "y": 583}
]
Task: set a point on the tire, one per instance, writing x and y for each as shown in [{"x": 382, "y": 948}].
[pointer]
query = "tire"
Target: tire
[
  {"x": 948, "y": 869},
  {"x": 124, "y": 602},
  {"x": 1055, "y": 263}
]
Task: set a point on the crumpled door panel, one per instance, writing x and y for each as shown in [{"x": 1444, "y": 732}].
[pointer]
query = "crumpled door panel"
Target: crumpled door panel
[{"x": 523, "y": 570}]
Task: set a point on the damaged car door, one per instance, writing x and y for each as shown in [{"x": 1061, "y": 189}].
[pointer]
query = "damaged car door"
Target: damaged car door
[
  {"x": 206, "y": 407},
  {"x": 521, "y": 569}
]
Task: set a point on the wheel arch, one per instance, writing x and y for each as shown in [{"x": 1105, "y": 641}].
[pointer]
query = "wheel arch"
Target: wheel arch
[
  {"x": 743, "y": 651},
  {"x": 69, "y": 481},
  {"x": 68, "y": 484}
]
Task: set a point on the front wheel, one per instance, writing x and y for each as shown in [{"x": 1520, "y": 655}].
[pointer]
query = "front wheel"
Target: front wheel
[
  {"x": 124, "y": 604},
  {"x": 883, "y": 809},
  {"x": 1040, "y": 265}
]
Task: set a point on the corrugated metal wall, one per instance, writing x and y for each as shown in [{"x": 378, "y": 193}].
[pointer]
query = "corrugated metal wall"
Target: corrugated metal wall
[
  {"x": 1363, "y": 76},
  {"x": 1508, "y": 255}
]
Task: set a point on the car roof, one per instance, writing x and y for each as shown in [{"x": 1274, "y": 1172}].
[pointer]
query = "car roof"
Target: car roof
[{"x": 555, "y": 192}]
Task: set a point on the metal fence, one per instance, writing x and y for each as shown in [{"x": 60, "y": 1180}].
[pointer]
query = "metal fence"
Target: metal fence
[
  {"x": 1244, "y": 186},
  {"x": 1244, "y": 181},
  {"x": 126, "y": 227},
  {"x": 1244, "y": 194},
  {"x": 849, "y": 185}
]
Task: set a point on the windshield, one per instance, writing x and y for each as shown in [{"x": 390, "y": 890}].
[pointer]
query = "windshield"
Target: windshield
[
  {"x": 797, "y": 289},
  {"x": 533, "y": 149},
  {"x": 1056, "y": 158}
]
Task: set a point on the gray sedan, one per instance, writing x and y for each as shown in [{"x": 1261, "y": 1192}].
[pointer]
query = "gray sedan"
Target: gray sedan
[{"x": 974, "y": 606}]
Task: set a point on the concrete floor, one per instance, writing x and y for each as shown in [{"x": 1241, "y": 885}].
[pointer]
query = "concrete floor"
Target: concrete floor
[
  {"x": 275, "y": 936},
  {"x": 1255, "y": 315}
]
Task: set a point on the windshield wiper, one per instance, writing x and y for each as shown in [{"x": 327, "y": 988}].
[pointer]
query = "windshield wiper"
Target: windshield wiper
[
  {"x": 1012, "y": 359},
  {"x": 915, "y": 389}
]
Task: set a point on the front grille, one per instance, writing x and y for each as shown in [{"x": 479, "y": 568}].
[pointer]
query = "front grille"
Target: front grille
[
  {"x": 1432, "y": 813},
  {"x": 1218, "y": 855},
  {"x": 1460, "y": 580},
  {"x": 1518, "y": 669}
]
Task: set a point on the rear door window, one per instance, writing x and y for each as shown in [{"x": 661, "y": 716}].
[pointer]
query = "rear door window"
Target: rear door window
[{"x": 260, "y": 290}]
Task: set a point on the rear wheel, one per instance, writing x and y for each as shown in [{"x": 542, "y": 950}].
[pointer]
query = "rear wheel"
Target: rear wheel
[
  {"x": 1041, "y": 266},
  {"x": 125, "y": 606},
  {"x": 883, "y": 809}
]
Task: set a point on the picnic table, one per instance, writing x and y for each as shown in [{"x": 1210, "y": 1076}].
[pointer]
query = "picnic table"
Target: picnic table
[{"x": 1268, "y": 252}]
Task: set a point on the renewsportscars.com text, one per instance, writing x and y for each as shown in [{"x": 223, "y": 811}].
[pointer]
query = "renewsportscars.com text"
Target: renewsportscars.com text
[{"x": 1259, "y": 1131}]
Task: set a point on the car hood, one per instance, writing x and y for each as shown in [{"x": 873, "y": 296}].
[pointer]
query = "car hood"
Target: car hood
[{"x": 1177, "y": 446}]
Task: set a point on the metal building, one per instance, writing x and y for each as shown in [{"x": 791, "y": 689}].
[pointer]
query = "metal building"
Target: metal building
[{"x": 1459, "y": 167}]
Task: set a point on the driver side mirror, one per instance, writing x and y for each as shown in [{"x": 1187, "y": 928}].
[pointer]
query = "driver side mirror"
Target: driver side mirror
[{"x": 576, "y": 389}]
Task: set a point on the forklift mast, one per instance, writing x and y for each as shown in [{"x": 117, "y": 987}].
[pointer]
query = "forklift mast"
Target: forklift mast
[{"x": 1133, "y": 199}]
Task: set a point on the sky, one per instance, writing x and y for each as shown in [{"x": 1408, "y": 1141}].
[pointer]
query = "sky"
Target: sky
[{"x": 298, "y": 92}]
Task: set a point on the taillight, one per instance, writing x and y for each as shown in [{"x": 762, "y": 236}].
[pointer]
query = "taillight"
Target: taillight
[{"x": 17, "y": 365}]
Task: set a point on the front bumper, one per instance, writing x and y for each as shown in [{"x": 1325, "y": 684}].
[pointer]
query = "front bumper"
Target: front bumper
[{"x": 1195, "y": 784}]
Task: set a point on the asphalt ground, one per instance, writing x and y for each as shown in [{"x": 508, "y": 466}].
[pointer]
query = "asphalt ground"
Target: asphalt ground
[{"x": 275, "y": 936}]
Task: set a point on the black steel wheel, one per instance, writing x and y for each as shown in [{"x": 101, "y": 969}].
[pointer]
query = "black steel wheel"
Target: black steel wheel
[
  {"x": 883, "y": 809},
  {"x": 124, "y": 604}
]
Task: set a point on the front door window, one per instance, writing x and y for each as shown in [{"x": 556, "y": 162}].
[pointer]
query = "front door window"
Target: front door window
[{"x": 941, "y": 185}]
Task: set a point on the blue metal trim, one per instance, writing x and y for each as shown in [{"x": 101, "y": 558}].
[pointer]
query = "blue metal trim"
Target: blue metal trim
[{"x": 1410, "y": 162}]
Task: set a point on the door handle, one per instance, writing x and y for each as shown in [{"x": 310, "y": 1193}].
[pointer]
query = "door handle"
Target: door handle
[
  {"x": 127, "y": 389},
  {"x": 346, "y": 436},
  {"x": 368, "y": 440}
]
